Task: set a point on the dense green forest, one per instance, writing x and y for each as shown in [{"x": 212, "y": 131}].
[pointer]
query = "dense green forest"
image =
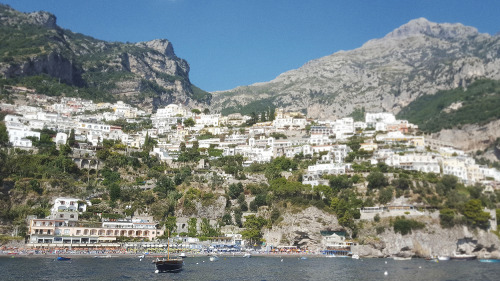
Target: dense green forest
[{"x": 478, "y": 104}]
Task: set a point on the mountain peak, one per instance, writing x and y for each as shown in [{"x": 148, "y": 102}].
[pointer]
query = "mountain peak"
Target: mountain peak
[
  {"x": 9, "y": 16},
  {"x": 161, "y": 45},
  {"x": 43, "y": 18},
  {"x": 422, "y": 26}
]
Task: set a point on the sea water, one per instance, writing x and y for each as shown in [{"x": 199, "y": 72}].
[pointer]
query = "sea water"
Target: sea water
[{"x": 239, "y": 268}]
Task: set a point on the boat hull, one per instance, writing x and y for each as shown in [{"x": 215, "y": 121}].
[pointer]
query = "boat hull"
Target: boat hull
[
  {"x": 463, "y": 258},
  {"x": 169, "y": 265},
  {"x": 63, "y": 259},
  {"x": 401, "y": 259}
]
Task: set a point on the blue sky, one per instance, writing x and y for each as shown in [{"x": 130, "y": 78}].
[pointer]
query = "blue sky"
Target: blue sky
[{"x": 231, "y": 43}]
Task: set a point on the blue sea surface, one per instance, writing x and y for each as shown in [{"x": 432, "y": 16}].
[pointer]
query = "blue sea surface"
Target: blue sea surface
[{"x": 239, "y": 268}]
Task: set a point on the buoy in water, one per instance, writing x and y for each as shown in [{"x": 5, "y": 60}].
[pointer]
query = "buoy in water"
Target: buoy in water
[
  {"x": 385, "y": 262},
  {"x": 157, "y": 271},
  {"x": 385, "y": 273}
]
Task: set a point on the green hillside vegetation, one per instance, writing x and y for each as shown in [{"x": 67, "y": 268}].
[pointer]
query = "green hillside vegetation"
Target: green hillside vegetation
[{"x": 480, "y": 105}]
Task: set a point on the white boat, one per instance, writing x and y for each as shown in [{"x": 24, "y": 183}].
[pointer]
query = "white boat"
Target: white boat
[
  {"x": 463, "y": 257},
  {"x": 401, "y": 258},
  {"x": 247, "y": 255},
  {"x": 356, "y": 257},
  {"x": 141, "y": 256},
  {"x": 214, "y": 258},
  {"x": 182, "y": 255},
  {"x": 331, "y": 256},
  {"x": 444, "y": 258}
]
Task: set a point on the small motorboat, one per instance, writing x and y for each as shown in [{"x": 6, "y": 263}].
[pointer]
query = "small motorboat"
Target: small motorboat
[
  {"x": 214, "y": 258},
  {"x": 63, "y": 259},
  {"x": 443, "y": 258},
  {"x": 303, "y": 258},
  {"x": 182, "y": 255},
  {"x": 247, "y": 255},
  {"x": 463, "y": 257},
  {"x": 402, "y": 258},
  {"x": 355, "y": 257},
  {"x": 489, "y": 260}
]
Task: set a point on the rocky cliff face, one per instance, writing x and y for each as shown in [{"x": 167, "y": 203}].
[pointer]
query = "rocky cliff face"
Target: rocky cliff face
[
  {"x": 385, "y": 74},
  {"x": 146, "y": 73},
  {"x": 302, "y": 228},
  {"x": 433, "y": 240},
  {"x": 471, "y": 137}
]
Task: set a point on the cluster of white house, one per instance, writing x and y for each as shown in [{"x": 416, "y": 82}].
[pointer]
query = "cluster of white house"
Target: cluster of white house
[{"x": 255, "y": 143}]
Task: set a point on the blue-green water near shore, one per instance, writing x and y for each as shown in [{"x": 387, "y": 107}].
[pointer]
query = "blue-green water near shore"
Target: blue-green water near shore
[{"x": 239, "y": 268}]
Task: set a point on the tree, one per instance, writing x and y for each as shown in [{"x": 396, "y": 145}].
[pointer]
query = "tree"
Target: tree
[
  {"x": 235, "y": 190},
  {"x": 385, "y": 195},
  {"x": 405, "y": 226},
  {"x": 253, "y": 225},
  {"x": 447, "y": 217},
  {"x": 171, "y": 224},
  {"x": 164, "y": 185},
  {"x": 376, "y": 180},
  {"x": 475, "y": 215},
  {"x": 195, "y": 111},
  {"x": 71, "y": 139},
  {"x": 192, "y": 227},
  {"x": 238, "y": 214},
  {"x": 446, "y": 184},
  {"x": 4, "y": 136},
  {"x": 227, "y": 219},
  {"x": 206, "y": 111},
  {"x": 114, "y": 192},
  {"x": 272, "y": 172},
  {"x": 189, "y": 122},
  {"x": 253, "y": 206}
]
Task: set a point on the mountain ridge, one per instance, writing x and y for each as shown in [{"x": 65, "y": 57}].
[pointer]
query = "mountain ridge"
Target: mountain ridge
[
  {"x": 147, "y": 74},
  {"x": 384, "y": 74}
]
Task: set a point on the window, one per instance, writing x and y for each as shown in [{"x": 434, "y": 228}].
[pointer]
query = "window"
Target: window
[{"x": 72, "y": 216}]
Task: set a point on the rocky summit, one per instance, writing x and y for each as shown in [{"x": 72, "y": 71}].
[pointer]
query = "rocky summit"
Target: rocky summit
[
  {"x": 386, "y": 74},
  {"x": 148, "y": 74}
]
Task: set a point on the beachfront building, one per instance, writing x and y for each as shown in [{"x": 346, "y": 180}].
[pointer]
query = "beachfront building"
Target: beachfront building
[
  {"x": 336, "y": 244},
  {"x": 63, "y": 228},
  {"x": 67, "y": 231}
]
